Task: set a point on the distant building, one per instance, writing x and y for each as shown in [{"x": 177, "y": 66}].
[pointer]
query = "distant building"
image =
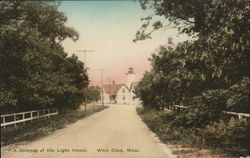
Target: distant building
[{"x": 121, "y": 93}]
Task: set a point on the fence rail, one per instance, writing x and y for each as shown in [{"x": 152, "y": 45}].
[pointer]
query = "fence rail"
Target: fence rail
[
  {"x": 239, "y": 115},
  {"x": 178, "y": 108},
  {"x": 22, "y": 117}
]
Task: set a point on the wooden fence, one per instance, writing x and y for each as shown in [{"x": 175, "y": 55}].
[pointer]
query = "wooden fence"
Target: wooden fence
[
  {"x": 22, "y": 117},
  {"x": 178, "y": 108}
]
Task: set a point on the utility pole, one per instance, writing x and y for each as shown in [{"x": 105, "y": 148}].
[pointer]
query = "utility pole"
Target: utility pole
[
  {"x": 85, "y": 51},
  {"x": 109, "y": 92},
  {"x": 102, "y": 85},
  {"x": 85, "y": 62}
]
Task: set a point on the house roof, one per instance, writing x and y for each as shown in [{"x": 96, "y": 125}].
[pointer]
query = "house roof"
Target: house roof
[
  {"x": 112, "y": 88},
  {"x": 135, "y": 84}
]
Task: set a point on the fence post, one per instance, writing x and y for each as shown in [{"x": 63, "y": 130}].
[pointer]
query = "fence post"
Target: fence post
[
  {"x": 31, "y": 116},
  {"x": 3, "y": 122},
  {"x": 23, "y": 118},
  {"x": 48, "y": 112},
  {"x": 15, "y": 120},
  {"x": 239, "y": 117}
]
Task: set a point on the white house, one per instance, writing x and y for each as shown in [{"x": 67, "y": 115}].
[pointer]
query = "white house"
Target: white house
[{"x": 122, "y": 93}]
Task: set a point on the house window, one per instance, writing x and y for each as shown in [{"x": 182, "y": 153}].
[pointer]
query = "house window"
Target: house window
[
  {"x": 123, "y": 90},
  {"x": 123, "y": 97}
]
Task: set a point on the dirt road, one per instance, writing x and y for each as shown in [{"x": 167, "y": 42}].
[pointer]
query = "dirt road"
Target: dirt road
[{"x": 116, "y": 132}]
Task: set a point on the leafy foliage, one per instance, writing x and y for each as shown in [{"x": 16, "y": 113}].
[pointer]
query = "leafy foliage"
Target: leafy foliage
[
  {"x": 197, "y": 18},
  {"x": 215, "y": 61},
  {"x": 238, "y": 99},
  {"x": 232, "y": 135},
  {"x": 94, "y": 93},
  {"x": 204, "y": 109},
  {"x": 35, "y": 71},
  {"x": 209, "y": 74}
]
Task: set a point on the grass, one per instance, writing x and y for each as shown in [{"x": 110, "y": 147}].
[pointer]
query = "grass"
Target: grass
[
  {"x": 161, "y": 123},
  {"x": 43, "y": 127}
]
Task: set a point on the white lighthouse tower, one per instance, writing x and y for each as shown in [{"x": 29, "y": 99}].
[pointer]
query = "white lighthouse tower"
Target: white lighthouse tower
[{"x": 130, "y": 77}]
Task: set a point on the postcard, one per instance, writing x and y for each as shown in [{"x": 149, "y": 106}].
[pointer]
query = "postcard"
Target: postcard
[{"x": 124, "y": 79}]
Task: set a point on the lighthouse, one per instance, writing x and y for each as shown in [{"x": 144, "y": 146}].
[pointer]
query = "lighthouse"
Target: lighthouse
[
  {"x": 130, "y": 77},
  {"x": 122, "y": 93}
]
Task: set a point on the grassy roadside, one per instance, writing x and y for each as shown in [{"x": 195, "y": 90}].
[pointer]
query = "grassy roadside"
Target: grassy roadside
[
  {"x": 184, "y": 142},
  {"x": 159, "y": 122},
  {"x": 44, "y": 127}
]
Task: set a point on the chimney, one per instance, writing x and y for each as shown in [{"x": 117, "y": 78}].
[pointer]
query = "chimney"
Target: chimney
[{"x": 113, "y": 82}]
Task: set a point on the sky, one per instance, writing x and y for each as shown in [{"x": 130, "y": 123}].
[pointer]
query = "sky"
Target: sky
[{"x": 108, "y": 28}]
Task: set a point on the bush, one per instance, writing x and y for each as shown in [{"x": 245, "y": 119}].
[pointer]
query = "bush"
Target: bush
[
  {"x": 228, "y": 136},
  {"x": 162, "y": 124},
  {"x": 209, "y": 106},
  {"x": 232, "y": 136},
  {"x": 204, "y": 109},
  {"x": 238, "y": 96}
]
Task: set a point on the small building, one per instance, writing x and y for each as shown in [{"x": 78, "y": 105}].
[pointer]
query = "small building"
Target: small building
[{"x": 121, "y": 93}]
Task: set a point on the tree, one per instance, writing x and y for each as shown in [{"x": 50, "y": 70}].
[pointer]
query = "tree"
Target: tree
[
  {"x": 145, "y": 92},
  {"x": 34, "y": 68},
  {"x": 209, "y": 74},
  {"x": 217, "y": 58},
  {"x": 197, "y": 17},
  {"x": 94, "y": 94}
]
